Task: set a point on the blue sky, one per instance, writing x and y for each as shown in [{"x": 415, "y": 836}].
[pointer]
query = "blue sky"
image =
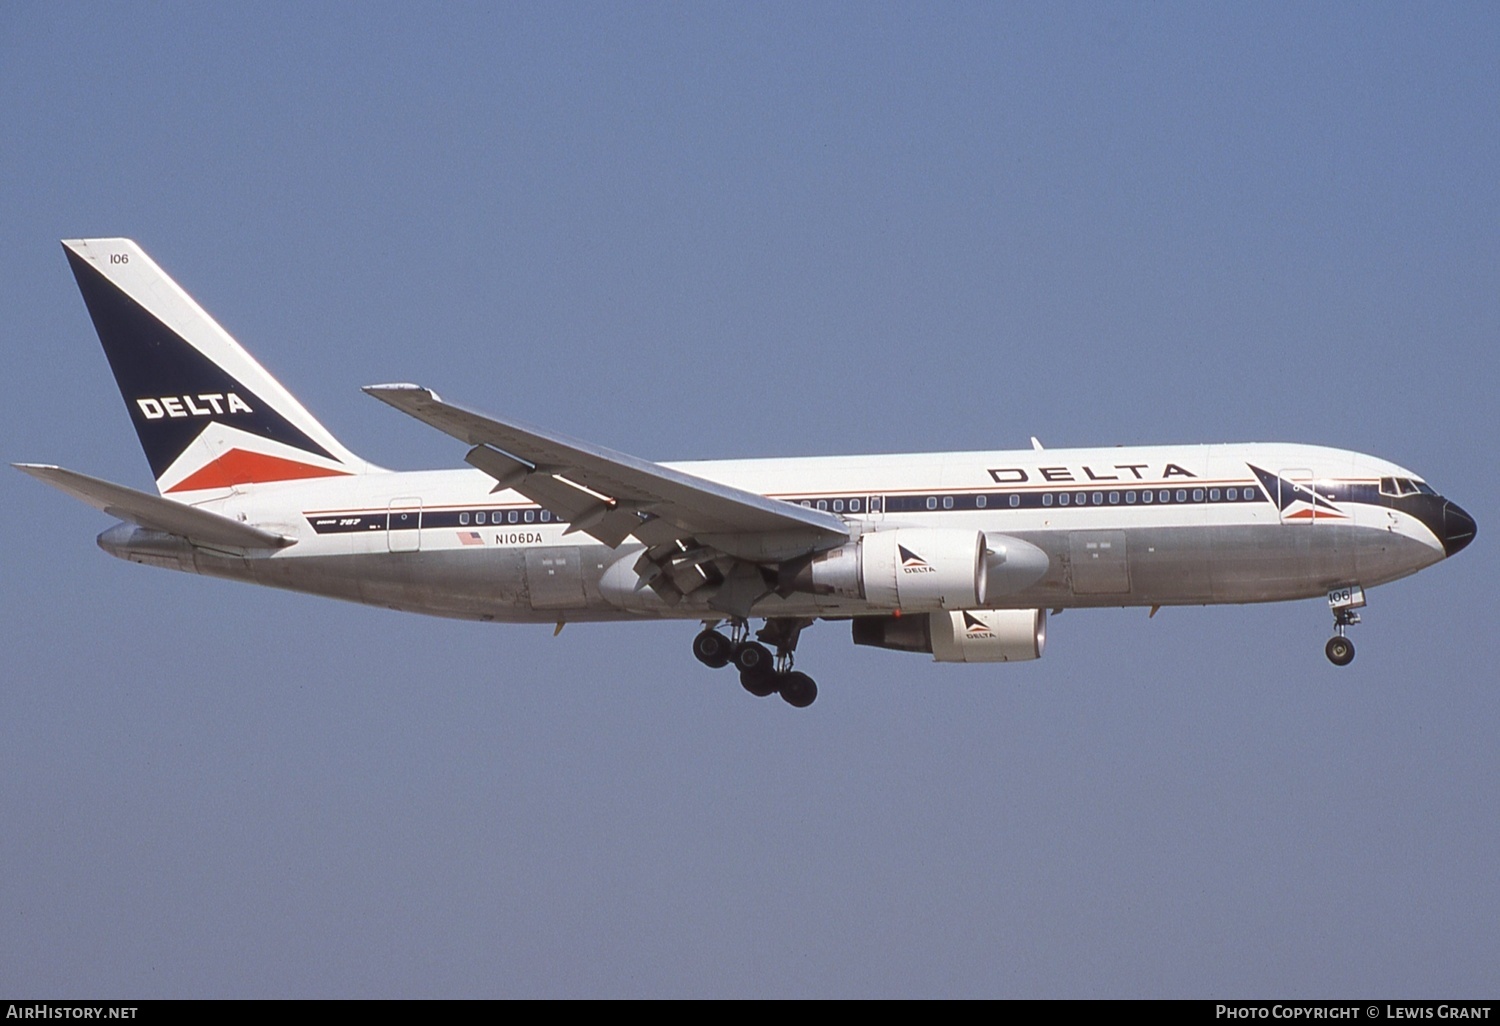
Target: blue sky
[{"x": 711, "y": 230}]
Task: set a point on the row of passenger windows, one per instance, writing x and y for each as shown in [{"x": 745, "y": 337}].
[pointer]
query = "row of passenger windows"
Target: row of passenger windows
[
  {"x": 1147, "y": 497},
  {"x": 854, "y": 504},
  {"x": 514, "y": 516},
  {"x": 1033, "y": 500}
]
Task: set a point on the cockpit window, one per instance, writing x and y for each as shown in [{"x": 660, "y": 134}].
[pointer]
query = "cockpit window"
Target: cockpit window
[{"x": 1398, "y": 486}]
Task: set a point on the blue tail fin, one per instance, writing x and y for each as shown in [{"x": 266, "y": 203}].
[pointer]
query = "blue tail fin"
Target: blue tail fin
[{"x": 208, "y": 416}]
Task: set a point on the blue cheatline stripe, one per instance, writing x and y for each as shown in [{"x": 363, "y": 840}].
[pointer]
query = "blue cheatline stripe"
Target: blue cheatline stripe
[
  {"x": 864, "y": 503},
  {"x": 406, "y": 519},
  {"x": 991, "y": 500},
  {"x": 855, "y": 505}
]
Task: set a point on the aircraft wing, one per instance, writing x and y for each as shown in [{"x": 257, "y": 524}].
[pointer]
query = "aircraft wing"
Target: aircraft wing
[
  {"x": 158, "y": 514},
  {"x": 612, "y": 496}
]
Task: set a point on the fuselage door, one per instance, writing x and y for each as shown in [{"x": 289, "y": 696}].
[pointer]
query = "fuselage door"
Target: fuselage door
[
  {"x": 403, "y": 525},
  {"x": 554, "y": 577},
  {"x": 1295, "y": 500},
  {"x": 1099, "y": 563}
]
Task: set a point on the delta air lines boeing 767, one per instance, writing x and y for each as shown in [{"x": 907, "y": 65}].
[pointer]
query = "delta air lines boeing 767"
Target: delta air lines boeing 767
[{"x": 960, "y": 554}]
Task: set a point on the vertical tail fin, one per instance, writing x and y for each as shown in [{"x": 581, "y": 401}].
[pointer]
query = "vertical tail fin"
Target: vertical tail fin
[{"x": 208, "y": 416}]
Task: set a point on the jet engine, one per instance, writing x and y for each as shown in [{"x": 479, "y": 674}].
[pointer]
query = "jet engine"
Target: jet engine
[
  {"x": 911, "y": 568},
  {"x": 916, "y": 569},
  {"x": 961, "y": 636}
]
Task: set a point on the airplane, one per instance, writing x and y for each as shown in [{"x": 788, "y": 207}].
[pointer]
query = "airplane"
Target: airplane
[{"x": 960, "y": 555}]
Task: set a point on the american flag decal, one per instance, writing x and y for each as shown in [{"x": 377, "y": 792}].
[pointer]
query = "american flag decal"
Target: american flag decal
[{"x": 470, "y": 538}]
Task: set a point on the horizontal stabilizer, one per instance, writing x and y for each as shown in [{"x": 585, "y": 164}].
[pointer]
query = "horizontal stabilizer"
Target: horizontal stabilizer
[{"x": 158, "y": 514}]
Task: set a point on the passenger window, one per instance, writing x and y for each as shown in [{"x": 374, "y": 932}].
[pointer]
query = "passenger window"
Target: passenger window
[
  {"x": 1182, "y": 495},
  {"x": 1130, "y": 498},
  {"x": 1114, "y": 498},
  {"x": 1232, "y": 494},
  {"x": 512, "y": 516},
  {"x": 947, "y": 502},
  {"x": 463, "y": 520},
  {"x": 805, "y": 504},
  {"x": 980, "y": 502},
  {"x": 1098, "y": 498},
  {"x": 838, "y": 505},
  {"x": 1015, "y": 500},
  {"x": 1197, "y": 494},
  {"x": 1213, "y": 495},
  {"x": 1164, "y": 497},
  {"x": 874, "y": 504},
  {"x": 530, "y": 515},
  {"x": 479, "y": 518},
  {"x": 1148, "y": 496},
  {"x": 546, "y": 515},
  {"x": 823, "y": 504},
  {"x": 931, "y": 502},
  {"x": 853, "y": 505},
  {"x": 1047, "y": 499},
  {"x": 1063, "y": 498}
]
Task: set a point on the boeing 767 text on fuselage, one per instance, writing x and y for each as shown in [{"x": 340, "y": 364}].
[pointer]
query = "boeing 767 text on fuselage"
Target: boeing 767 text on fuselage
[{"x": 957, "y": 554}]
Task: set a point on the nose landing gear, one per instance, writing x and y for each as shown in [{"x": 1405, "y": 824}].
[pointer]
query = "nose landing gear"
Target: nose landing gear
[
  {"x": 761, "y": 673},
  {"x": 1343, "y": 602}
]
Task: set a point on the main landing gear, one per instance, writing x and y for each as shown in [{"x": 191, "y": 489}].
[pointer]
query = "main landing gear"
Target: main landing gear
[
  {"x": 1343, "y": 602},
  {"x": 761, "y": 673}
]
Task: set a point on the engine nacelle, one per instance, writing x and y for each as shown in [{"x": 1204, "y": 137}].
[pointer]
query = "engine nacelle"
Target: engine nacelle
[
  {"x": 911, "y": 569},
  {"x": 964, "y": 636}
]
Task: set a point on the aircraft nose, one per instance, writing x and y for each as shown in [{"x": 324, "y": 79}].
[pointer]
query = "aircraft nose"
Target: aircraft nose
[{"x": 1458, "y": 528}]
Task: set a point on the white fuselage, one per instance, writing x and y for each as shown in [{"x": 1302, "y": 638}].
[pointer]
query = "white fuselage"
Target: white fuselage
[{"x": 1157, "y": 525}]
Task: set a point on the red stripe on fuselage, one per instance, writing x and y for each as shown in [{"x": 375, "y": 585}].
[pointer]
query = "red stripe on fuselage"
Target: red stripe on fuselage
[
  {"x": 1309, "y": 514},
  {"x": 240, "y": 467}
]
